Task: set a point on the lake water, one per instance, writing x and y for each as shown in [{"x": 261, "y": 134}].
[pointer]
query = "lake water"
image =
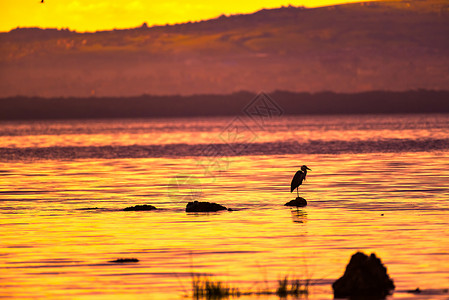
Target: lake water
[{"x": 378, "y": 184}]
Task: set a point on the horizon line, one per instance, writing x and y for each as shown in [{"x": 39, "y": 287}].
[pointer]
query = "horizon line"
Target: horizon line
[{"x": 232, "y": 93}]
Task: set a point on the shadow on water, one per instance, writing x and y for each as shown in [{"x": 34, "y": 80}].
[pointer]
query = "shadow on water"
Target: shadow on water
[{"x": 299, "y": 215}]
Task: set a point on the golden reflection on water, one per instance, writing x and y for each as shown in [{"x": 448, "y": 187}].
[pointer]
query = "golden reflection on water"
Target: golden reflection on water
[
  {"x": 395, "y": 205},
  {"x": 125, "y": 132}
]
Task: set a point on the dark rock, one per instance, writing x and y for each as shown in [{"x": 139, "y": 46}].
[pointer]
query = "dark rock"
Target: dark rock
[
  {"x": 124, "y": 260},
  {"x": 298, "y": 202},
  {"x": 204, "y": 207},
  {"x": 89, "y": 208},
  {"x": 365, "y": 276},
  {"x": 415, "y": 291},
  {"x": 140, "y": 208}
]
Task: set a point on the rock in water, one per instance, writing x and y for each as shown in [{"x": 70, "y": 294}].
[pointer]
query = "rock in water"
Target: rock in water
[
  {"x": 365, "y": 276},
  {"x": 298, "y": 202},
  {"x": 204, "y": 207},
  {"x": 124, "y": 260},
  {"x": 140, "y": 207}
]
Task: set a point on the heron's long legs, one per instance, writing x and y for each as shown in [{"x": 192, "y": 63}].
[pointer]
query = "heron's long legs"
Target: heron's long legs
[{"x": 297, "y": 192}]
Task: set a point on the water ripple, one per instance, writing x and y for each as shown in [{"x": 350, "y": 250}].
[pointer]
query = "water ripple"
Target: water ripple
[{"x": 225, "y": 149}]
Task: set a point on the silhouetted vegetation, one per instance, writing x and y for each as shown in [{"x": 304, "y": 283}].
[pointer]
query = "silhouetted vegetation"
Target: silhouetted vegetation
[
  {"x": 210, "y": 288},
  {"x": 146, "y": 106},
  {"x": 206, "y": 287},
  {"x": 292, "y": 287}
]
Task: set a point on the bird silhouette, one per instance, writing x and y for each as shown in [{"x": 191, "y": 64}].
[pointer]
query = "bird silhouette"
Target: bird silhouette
[
  {"x": 42, "y": 1},
  {"x": 299, "y": 177}
]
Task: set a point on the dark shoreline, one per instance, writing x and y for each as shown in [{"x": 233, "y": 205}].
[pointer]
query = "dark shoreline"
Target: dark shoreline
[{"x": 288, "y": 103}]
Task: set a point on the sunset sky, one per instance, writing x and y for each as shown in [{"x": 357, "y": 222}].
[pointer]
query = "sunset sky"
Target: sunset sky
[{"x": 92, "y": 15}]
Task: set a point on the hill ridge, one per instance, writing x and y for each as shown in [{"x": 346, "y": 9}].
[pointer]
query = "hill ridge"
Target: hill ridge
[{"x": 345, "y": 48}]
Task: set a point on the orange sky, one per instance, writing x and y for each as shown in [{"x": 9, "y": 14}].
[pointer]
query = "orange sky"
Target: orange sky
[{"x": 92, "y": 15}]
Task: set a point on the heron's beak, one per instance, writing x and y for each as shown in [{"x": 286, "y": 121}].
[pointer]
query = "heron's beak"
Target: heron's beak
[{"x": 308, "y": 169}]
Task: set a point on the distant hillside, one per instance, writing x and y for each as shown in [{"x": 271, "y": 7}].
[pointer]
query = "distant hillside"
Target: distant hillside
[
  {"x": 397, "y": 45},
  {"x": 378, "y": 102}
]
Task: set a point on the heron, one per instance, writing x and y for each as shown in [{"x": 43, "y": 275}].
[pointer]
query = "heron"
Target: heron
[{"x": 299, "y": 177}]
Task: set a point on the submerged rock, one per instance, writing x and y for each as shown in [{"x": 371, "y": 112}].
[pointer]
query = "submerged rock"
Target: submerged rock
[
  {"x": 140, "y": 208},
  {"x": 124, "y": 260},
  {"x": 415, "y": 291},
  {"x": 428, "y": 291},
  {"x": 365, "y": 276},
  {"x": 196, "y": 206},
  {"x": 298, "y": 202}
]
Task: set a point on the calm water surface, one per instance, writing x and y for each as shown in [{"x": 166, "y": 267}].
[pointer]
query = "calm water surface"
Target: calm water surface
[{"x": 378, "y": 184}]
